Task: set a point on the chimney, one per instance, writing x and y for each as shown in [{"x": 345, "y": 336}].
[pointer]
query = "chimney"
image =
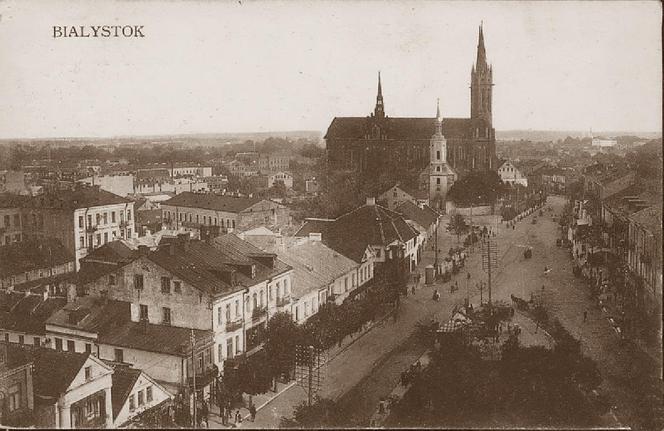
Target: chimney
[
  {"x": 371, "y": 201},
  {"x": 143, "y": 250}
]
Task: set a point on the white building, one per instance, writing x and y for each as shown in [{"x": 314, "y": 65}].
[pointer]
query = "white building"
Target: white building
[
  {"x": 509, "y": 174},
  {"x": 282, "y": 177}
]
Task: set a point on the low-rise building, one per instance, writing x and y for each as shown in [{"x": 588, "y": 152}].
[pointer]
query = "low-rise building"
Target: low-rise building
[
  {"x": 120, "y": 185},
  {"x": 134, "y": 394},
  {"x": 193, "y": 210},
  {"x": 16, "y": 387},
  {"x": 399, "y": 193},
  {"x": 510, "y": 174},
  {"x": 280, "y": 177},
  {"x": 32, "y": 260},
  {"x": 273, "y": 163}
]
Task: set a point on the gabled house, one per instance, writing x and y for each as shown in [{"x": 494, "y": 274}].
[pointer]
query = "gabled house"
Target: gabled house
[
  {"x": 16, "y": 387},
  {"x": 369, "y": 230},
  {"x": 399, "y": 193},
  {"x": 510, "y": 174},
  {"x": 135, "y": 394}
]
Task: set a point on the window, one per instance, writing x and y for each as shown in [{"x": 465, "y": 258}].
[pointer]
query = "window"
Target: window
[
  {"x": 128, "y": 233},
  {"x": 166, "y": 315},
  {"x": 255, "y": 297},
  {"x": 128, "y": 215},
  {"x": 165, "y": 285},
  {"x": 21, "y": 339},
  {"x": 229, "y": 348},
  {"x": 132, "y": 403},
  {"x": 237, "y": 344},
  {"x": 98, "y": 239},
  {"x": 437, "y": 155},
  {"x": 71, "y": 347},
  {"x": 111, "y": 279},
  {"x": 286, "y": 286},
  {"x": 58, "y": 343},
  {"x": 6, "y": 337},
  {"x": 271, "y": 293},
  {"x": 105, "y": 237},
  {"x": 88, "y": 348},
  {"x": 141, "y": 400},
  {"x": 143, "y": 312},
  {"x": 119, "y": 355},
  {"x": 97, "y": 218},
  {"x": 148, "y": 393},
  {"x": 14, "y": 398},
  {"x": 7, "y": 221},
  {"x": 177, "y": 287},
  {"x": 228, "y": 312},
  {"x": 81, "y": 241},
  {"x": 36, "y": 341},
  {"x": 88, "y": 373},
  {"x": 346, "y": 284},
  {"x": 81, "y": 221},
  {"x": 138, "y": 281},
  {"x": 105, "y": 218},
  {"x": 437, "y": 180},
  {"x": 112, "y": 216},
  {"x": 200, "y": 361}
]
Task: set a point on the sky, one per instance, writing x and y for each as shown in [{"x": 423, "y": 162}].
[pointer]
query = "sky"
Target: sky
[{"x": 257, "y": 66}]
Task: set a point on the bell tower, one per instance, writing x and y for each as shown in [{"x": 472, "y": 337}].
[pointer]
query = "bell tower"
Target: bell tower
[
  {"x": 441, "y": 175},
  {"x": 481, "y": 84},
  {"x": 379, "y": 110}
]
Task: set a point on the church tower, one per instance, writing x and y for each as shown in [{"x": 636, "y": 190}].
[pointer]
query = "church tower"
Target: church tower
[
  {"x": 481, "y": 84},
  {"x": 441, "y": 175},
  {"x": 379, "y": 111}
]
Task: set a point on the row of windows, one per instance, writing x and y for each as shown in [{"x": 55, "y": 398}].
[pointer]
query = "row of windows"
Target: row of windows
[
  {"x": 17, "y": 237},
  {"x": 232, "y": 348},
  {"x": 257, "y": 300},
  {"x": 206, "y": 220},
  {"x": 96, "y": 240},
  {"x": 142, "y": 397},
  {"x": 166, "y": 314},
  {"x": 102, "y": 217}
]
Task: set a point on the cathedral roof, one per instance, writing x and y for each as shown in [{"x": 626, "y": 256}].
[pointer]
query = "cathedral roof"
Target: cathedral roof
[{"x": 397, "y": 128}]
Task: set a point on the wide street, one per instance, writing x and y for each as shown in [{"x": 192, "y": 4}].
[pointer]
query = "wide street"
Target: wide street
[{"x": 369, "y": 368}]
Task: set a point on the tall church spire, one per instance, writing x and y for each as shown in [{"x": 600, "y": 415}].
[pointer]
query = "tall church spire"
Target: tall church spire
[
  {"x": 379, "y": 111},
  {"x": 480, "y": 63},
  {"x": 481, "y": 84},
  {"x": 439, "y": 119}
]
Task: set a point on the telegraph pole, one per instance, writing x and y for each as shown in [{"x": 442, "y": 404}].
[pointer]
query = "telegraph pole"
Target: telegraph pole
[
  {"x": 436, "y": 251},
  {"x": 311, "y": 370},
  {"x": 488, "y": 244},
  {"x": 193, "y": 369}
]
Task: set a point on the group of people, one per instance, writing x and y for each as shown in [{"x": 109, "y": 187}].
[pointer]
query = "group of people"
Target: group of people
[{"x": 408, "y": 375}]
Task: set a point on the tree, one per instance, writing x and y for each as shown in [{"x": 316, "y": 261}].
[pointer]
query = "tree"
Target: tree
[
  {"x": 281, "y": 336},
  {"x": 457, "y": 225}
]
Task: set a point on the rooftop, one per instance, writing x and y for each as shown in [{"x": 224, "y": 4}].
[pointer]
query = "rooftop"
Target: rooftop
[
  {"x": 27, "y": 313},
  {"x": 124, "y": 379},
  {"x": 80, "y": 197},
  {"x": 29, "y": 255},
  {"x": 149, "y": 337},
  {"x": 212, "y": 201},
  {"x": 395, "y": 127},
  {"x": 91, "y": 314},
  {"x": 425, "y": 216}
]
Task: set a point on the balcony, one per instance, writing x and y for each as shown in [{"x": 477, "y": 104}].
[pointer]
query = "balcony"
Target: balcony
[
  {"x": 258, "y": 313},
  {"x": 124, "y": 223},
  {"x": 283, "y": 302},
  {"x": 91, "y": 228},
  {"x": 233, "y": 326},
  {"x": 204, "y": 377}
]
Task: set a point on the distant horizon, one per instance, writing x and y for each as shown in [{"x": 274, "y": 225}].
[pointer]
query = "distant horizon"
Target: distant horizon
[{"x": 272, "y": 133}]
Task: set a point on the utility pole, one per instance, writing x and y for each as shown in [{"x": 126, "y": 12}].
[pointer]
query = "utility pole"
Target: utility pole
[
  {"x": 436, "y": 251},
  {"x": 488, "y": 245},
  {"x": 311, "y": 370},
  {"x": 193, "y": 373}
]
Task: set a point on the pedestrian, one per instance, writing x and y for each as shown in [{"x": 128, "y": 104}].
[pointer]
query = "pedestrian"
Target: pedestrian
[
  {"x": 205, "y": 411},
  {"x": 412, "y": 290},
  {"x": 585, "y": 315},
  {"x": 238, "y": 417},
  {"x": 252, "y": 412}
]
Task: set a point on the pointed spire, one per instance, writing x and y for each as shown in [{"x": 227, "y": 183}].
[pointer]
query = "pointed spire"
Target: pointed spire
[
  {"x": 379, "y": 111},
  {"x": 380, "y": 90},
  {"x": 438, "y": 109},
  {"x": 481, "y": 51},
  {"x": 439, "y": 120}
]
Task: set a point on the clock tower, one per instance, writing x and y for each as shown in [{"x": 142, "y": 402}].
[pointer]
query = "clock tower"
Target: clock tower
[{"x": 441, "y": 175}]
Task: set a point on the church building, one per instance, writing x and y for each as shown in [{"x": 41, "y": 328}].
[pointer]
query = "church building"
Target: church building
[{"x": 379, "y": 144}]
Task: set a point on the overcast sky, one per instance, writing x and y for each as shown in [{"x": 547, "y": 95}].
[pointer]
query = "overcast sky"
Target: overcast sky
[{"x": 207, "y": 67}]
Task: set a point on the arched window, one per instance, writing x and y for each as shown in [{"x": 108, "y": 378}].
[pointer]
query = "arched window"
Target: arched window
[{"x": 255, "y": 300}]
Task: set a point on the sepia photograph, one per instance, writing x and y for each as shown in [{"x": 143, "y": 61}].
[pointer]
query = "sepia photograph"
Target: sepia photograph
[{"x": 361, "y": 214}]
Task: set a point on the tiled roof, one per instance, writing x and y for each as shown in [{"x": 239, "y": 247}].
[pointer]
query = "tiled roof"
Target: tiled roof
[
  {"x": 146, "y": 217},
  {"x": 315, "y": 265},
  {"x": 169, "y": 340},
  {"x": 236, "y": 249},
  {"x": 124, "y": 379},
  {"x": 16, "y": 356},
  {"x": 116, "y": 252},
  {"x": 94, "y": 314},
  {"x": 29, "y": 255},
  {"x": 367, "y": 225},
  {"x": 396, "y": 127},
  {"x": 9, "y": 200},
  {"x": 313, "y": 226},
  {"x": 212, "y": 201},
  {"x": 651, "y": 218},
  {"x": 54, "y": 370},
  {"x": 29, "y": 313},
  {"x": 81, "y": 197},
  {"x": 423, "y": 217}
]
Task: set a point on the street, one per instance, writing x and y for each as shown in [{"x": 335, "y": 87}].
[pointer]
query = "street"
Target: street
[{"x": 371, "y": 366}]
